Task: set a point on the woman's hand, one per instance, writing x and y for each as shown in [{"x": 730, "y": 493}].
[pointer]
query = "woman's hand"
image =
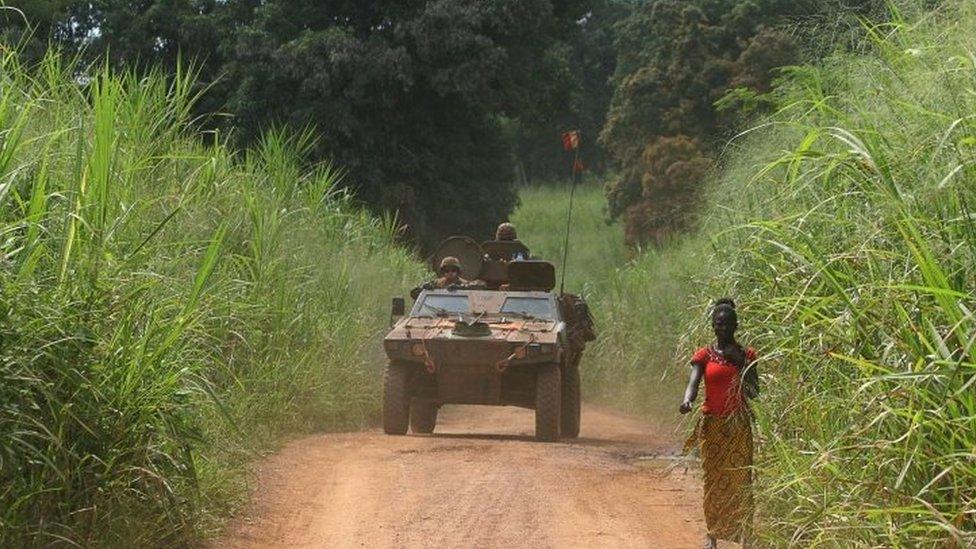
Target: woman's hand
[{"x": 685, "y": 407}]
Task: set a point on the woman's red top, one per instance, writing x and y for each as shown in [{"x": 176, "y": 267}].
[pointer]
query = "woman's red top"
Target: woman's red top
[{"x": 723, "y": 392}]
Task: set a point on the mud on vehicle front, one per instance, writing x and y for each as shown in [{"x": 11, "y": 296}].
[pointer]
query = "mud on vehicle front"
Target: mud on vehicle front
[{"x": 516, "y": 346}]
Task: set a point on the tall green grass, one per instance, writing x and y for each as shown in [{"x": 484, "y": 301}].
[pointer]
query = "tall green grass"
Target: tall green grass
[
  {"x": 596, "y": 247},
  {"x": 167, "y": 308},
  {"x": 844, "y": 227}
]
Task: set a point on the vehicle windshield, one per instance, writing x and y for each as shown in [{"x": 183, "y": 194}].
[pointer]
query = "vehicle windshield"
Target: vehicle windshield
[
  {"x": 536, "y": 307},
  {"x": 443, "y": 304}
]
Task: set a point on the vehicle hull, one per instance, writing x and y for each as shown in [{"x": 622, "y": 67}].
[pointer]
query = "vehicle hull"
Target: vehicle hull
[
  {"x": 475, "y": 384},
  {"x": 482, "y": 347}
]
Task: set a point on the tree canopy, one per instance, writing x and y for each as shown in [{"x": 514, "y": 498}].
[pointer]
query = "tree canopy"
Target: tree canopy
[
  {"x": 411, "y": 98},
  {"x": 436, "y": 108},
  {"x": 678, "y": 60}
]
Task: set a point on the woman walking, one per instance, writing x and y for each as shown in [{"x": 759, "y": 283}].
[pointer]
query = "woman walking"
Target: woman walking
[{"x": 724, "y": 430}]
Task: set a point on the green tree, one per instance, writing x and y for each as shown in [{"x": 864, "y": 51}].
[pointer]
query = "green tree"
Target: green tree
[
  {"x": 676, "y": 61},
  {"x": 590, "y": 57},
  {"x": 28, "y": 25},
  {"x": 408, "y": 96}
]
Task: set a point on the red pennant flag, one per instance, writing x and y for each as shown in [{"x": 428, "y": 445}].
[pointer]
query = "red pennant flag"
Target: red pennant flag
[
  {"x": 571, "y": 140},
  {"x": 578, "y": 166}
]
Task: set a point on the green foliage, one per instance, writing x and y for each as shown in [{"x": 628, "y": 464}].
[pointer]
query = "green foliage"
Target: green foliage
[
  {"x": 636, "y": 320},
  {"x": 677, "y": 60},
  {"x": 596, "y": 247},
  {"x": 166, "y": 308},
  {"x": 844, "y": 228},
  {"x": 410, "y": 96},
  {"x": 412, "y": 109},
  {"x": 589, "y": 56},
  {"x": 662, "y": 200}
]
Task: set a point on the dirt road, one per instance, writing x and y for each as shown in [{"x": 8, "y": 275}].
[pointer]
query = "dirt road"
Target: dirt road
[{"x": 479, "y": 481}]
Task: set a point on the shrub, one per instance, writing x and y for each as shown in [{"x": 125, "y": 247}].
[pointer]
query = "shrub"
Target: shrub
[
  {"x": 844, "y": 227},
  {"x": 167, "y": 307}
]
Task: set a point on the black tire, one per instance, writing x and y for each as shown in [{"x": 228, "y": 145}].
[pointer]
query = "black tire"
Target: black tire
[
  {"x": 423, "y": 417},
  {"x": 396, "y": 401},
  {"x": 547, "y": 389},
  {"x": 571, "y": 401}
]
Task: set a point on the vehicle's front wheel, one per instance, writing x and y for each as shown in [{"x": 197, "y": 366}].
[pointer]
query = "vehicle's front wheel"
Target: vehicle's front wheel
[
  {"x": 547, "y": 389},
  {"x": 423, "y": 417},
  {"x": 396, "y": 400},
  {"x": 571, "y": 401}
]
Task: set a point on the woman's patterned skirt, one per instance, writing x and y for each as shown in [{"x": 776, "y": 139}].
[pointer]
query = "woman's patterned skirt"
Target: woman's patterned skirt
[{"x": 725, "y": 443}]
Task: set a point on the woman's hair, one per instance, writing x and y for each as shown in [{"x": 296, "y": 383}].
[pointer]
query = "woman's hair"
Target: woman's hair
[
  {"x": 725, "y": 301},
  {"x": 724, "y": 305}
]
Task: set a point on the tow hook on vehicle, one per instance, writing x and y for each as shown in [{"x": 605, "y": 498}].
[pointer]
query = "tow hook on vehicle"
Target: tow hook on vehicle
[{"x": 519, "y": 352}]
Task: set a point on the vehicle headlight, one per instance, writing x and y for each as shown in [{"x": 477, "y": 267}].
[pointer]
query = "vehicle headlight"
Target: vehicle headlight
[{"x": 541, "y": 349}]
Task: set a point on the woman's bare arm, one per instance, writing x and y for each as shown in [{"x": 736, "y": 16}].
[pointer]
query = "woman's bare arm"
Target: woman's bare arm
[
  {"x": 750, "y": 381},
  {"x": 691, "y": 392}
]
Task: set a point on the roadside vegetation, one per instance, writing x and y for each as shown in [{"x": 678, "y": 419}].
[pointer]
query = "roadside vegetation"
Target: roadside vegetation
[
  {"x": 167, "y": 308},
  {"x": 631, "y": 364},
  {"x": 180, "y": 289},
  {"x": 596, "y": 246},
  {"x": 844, "y": 227},
  {"x": 426, "y": 103},
  {"x": 688, "y": 74}
]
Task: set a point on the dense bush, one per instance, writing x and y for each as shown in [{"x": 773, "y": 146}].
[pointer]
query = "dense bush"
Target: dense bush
[
  {"x": 591, "y": 52},
  {"x": 851, "y": 254},
  {"x": 424, "y": 101},
  {"x": 687, "y": 75},
  {"x": 166, "y": 308}
]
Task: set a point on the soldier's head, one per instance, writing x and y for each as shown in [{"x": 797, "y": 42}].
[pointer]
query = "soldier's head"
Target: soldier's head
[
  {"x": 450, "y": 268},
  {"x": 506, "y": 231}
]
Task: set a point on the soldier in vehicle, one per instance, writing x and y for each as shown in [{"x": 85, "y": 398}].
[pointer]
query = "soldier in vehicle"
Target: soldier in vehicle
[
  {"x": 517, "y": 251},
  {"x": 450, "y": 271},
  {"x": 506, "y": 231}
]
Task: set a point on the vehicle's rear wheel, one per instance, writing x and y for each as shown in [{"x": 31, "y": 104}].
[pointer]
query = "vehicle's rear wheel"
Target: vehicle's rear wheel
[
  {"x": 396, "y": 401},
  {"x": 547, "y": 390},
  {"x": 571, "y": 401},
  {"x": 423, "y": 416}
]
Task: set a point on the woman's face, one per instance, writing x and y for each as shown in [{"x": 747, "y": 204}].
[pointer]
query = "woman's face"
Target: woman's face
[{"x": 723, "y": 322}]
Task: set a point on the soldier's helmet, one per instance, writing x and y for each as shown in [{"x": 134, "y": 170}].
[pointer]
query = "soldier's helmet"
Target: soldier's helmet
[
  {"x": 449, "y": 262},
  {"x": 506, "y": 231}
]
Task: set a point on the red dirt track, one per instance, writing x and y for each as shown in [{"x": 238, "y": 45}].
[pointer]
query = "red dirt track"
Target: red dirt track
[{"x": 479, "y": 481}]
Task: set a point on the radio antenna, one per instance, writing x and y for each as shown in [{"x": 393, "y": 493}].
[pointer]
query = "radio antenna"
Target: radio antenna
[{"x": 570, "y": 139}]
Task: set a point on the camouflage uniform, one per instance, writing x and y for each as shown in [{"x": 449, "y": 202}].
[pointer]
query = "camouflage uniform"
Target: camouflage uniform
[
  {"x": 443, "y": 281},
  {"x": 447, "y": 263},
  {"x": 579, "y": 323}
]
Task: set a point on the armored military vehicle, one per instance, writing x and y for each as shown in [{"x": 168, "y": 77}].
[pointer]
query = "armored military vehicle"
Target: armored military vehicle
[{"x": 504, "y": 339}]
